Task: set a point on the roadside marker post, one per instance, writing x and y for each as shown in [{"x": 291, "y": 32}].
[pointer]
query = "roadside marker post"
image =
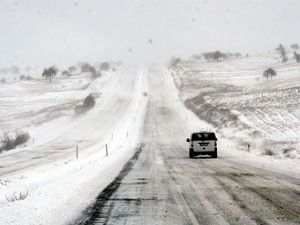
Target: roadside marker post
[
  {"x": 106, "y": 149},
  {"x": 127, "y": 134},
  {"x": 76, "y": 151}
]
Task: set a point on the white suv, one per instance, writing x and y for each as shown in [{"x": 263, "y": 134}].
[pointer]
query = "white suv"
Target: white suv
[{"x": 203, "y": 143}]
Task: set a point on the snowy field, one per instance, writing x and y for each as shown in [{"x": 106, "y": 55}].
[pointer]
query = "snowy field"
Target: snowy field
[
  {"x": 42, "y": 181},
  {"x": 42, "y": 178},
  {"x": 30, "y": 103},
  {"x": 261, "y": 116}
]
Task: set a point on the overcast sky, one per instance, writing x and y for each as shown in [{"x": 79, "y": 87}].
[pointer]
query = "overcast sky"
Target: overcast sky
[{"x": 67, "y": 31}]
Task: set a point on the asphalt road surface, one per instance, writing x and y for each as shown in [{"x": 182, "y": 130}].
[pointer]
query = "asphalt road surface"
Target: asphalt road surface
[{"x": 161, "y": 185}]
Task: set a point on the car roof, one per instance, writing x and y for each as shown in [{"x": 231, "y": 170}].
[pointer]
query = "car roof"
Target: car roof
[{"x": 203, "y": 132}]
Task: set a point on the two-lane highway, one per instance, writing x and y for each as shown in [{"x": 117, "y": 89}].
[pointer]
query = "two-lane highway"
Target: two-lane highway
[{"x": 161, "y": 185}]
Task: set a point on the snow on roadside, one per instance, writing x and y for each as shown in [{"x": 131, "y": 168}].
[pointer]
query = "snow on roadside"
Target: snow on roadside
[
  {"x": 228, "y": 148},
  {"x": 36, "y": 124},
  {"x": 58, "y": 192},
  {"x": 33, "y": 102},
  {"x": 233, "y": 96}
]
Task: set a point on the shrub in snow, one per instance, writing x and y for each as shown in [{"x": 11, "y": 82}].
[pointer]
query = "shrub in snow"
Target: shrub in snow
[
  {"x": 104, "y": 66},
  {"x": 21, "y": 138},
  {"x": 86, "y": 67},
  {"x": 268, "y": 151},
  {"x": 9, "y": 141},
  {"x": 95, "y": 75},
  {"x": 28, "y": 78},
  {"x": 65, "y": 73},
  {"x": 88, "y": 103},
  {"x": 17, "y": 196},
  {"x": 174, "y": 62},
  {"x": 214, "y": 56},
  {"x": 290, "y": 152},
  {"x": 3, "y": 80}
]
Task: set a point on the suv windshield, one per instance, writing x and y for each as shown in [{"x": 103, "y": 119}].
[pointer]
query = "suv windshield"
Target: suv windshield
[{"x": 203, "y": 136}]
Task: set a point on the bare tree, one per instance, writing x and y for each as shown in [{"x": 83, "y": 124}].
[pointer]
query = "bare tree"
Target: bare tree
[
  {"x": 269, "y": 73},
  {"x": 281, "y": 50},
  {"x": 217, "y": 55},
  {"x": 49, "y": 73}
]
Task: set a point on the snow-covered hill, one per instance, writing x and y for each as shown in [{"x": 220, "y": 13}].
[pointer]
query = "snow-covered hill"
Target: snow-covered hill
[
  {"x": 261, "y": 116},
  {"x": 47, "y": 172}
]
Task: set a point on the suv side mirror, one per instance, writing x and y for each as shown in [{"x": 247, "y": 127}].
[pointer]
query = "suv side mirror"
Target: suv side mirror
[{"x": 188, "y": 140}]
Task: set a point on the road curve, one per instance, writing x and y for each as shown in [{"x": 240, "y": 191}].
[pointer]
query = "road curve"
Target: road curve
[{"x": 161, "y": 185}]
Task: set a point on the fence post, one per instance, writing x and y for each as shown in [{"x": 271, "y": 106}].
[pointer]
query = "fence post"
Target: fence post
[
  {"x": 76, "y": 151},
  {"x": 106, "y": 149}
]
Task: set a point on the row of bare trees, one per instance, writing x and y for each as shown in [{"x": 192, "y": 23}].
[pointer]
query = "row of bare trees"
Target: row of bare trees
[
  {"x": 283, "y": 52},
  {"x": 50, "y": 72}
]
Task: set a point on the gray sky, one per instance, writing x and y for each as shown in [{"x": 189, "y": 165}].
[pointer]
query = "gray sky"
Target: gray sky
[{"x": 67, "y": 31}]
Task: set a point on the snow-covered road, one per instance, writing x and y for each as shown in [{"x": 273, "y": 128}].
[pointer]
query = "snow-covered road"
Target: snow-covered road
[{"x": 161, "y": 185}]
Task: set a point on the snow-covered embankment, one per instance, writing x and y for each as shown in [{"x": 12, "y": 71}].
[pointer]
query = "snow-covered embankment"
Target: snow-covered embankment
[{"x": 56, "y": 192}]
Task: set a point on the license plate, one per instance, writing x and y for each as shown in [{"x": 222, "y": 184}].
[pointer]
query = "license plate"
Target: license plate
[{"x": 203, "y": 144}]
